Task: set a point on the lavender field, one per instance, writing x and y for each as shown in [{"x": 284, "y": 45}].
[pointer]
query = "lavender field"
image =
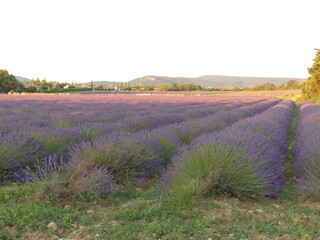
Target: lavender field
[
  {"x": 93, "y": 148},
  {"x": 93, "y": 141}
]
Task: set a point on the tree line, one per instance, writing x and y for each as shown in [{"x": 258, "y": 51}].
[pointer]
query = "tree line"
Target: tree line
[{"x": 310, "y": 88}]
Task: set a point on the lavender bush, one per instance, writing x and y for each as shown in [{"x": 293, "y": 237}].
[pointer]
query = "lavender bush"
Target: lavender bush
[
  {"x": 127, "y": 156},
  {"x": 17, "y": 150},
  {"x": 307, "y": 150},
  {"x": 245, "y": 159},
  {"x": 57, "y": 178}
]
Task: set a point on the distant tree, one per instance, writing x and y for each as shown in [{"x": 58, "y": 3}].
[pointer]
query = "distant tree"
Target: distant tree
[
  {"x": 32, "y": 89},
  {"x": 135, "y": 88},
  {"x": 189, "y": 87},
  {"x": 44, "y": 88},
  {"x": 61, "y": 85},
  {"x": 173, "y": 87},
  {"x": 282, "y": 87},
  {"x": 147, "y": 88},
  {"x": 236, "y": 89},
  {"x": 36, "y": 81},
  {"x": 9, "y": 82},
  {"x": 161, "y": 87},
  {"x": 50, "y": 84},
  {"x": 100, "y": 86},
  {"x": 264, "y": 87},
  {"x": 43, "y": 82},
  {"x": 293, "y": 84},
  {"x": 311, "y": 89}
]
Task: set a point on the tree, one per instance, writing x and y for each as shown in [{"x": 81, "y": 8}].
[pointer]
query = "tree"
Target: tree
[
  {"x": 311, "y": 89},
  {"x": 264, "y": 87},
  {"x": 44, "y": 88},
  {"x": 43, "y": 82},
  {"x": 100, "y": 87},
  {"x": 32, "y": 89},
  {"x": 36, "y": 82},
  {"x": 293, "y": 84},
  {"x": 62, "y": 85},
  {"x": 173, "y": 87},
  {"x": 9, "y": 82},
  {"x": 161, "y": 87}
]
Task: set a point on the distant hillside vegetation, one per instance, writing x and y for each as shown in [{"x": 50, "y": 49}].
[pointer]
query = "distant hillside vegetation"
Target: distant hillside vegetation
[
  {"x": 23, "y": 79},
  {"x": 209, "y": 81}
]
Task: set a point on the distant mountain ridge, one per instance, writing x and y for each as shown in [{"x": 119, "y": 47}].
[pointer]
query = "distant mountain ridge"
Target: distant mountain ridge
[
  {"x": 212, "y": 81},
  {"x": 206, "y": 81},
  {"x": 23, "y": 79}
]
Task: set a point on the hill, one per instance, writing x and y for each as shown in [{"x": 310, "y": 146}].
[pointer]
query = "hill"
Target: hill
[
  {"x": 23, "y": 79},
  {"x": 208, "y": 81}
]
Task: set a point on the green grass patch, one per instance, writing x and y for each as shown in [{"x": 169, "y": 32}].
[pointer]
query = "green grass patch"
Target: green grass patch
[{"x": 137, "y": 212}]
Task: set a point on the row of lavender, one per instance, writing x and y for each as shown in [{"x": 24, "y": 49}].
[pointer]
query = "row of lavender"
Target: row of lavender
[
  {"x": 307, "y": 150},
  {"x": 21, "y": 142},
  {"x": 58, "y": 126},
  {"x": 245, "y": 160},
  {"x": 95, "y": 165}
]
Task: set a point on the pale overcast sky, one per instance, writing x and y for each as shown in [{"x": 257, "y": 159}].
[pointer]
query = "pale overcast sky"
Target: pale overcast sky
[{"x": 119, "y": 40}]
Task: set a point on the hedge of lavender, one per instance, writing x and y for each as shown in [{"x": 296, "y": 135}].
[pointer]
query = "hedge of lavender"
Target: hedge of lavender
[
  {"x": 307, "y": 150},
  {"x": 244, "y": 160}
]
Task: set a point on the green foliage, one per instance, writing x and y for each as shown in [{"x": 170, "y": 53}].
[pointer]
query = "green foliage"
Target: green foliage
[
  {"x": 31, "y": 89},
  {"x": 9, "y": 82},
  {"x": 44, "y": 88},
  {"x": 264, "y": 87},
  {"x": 36, "y": 81},
  {"x": 311, "y": 89},
  {"x": 100, "y": 87},
  {"x": 177, "y": 87},
  {"x": 62, "y": 90},
  {"x": 292, "y": 84}
]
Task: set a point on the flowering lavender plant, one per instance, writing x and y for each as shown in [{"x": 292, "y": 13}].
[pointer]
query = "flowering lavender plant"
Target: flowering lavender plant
[
  {"x": 55, "y": 177},
  {"x": 245, "y": 159},
  {"x": 17, "y": 150},
  {"x": 307, "y": 151}
]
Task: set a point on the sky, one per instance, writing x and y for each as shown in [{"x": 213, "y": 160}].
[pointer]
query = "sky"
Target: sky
[{"x": 120, "y": 40}]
